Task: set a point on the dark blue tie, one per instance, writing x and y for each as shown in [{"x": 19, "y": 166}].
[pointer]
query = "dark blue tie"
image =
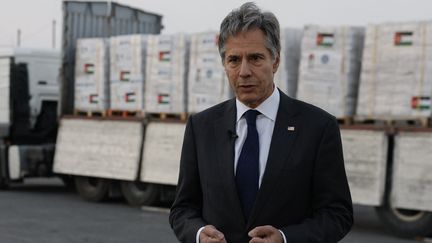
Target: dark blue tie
[{"x": 247, "y": 173}]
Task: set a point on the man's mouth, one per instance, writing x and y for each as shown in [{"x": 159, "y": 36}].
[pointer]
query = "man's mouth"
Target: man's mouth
[{"x": 246, "y": 87}]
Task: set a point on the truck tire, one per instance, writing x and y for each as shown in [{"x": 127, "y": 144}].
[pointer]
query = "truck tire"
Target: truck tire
[
  {"x": 92, "y": 189},
  {"x": 140, "y": 193},
  {"x": 406, "y": 223}
]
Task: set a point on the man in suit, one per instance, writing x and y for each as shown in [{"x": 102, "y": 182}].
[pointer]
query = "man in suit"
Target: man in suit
[{"x": 262, "y": 167}]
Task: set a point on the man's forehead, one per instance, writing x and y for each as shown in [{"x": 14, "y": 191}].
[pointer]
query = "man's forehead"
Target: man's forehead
[
  {"x": 246, "y": 48},
  {"x": 240, "y": 53},
  {"x": 253, "y": 34}
]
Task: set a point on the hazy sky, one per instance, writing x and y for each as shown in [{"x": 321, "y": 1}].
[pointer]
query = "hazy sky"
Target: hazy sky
[{"x": 35, "y": 17}]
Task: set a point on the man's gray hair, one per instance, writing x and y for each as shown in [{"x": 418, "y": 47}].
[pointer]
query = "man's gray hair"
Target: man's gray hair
[{"x": 249, "y": 17}]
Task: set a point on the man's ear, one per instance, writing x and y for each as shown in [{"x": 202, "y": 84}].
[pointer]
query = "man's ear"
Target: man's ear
[{"x": 276, "y": 63}]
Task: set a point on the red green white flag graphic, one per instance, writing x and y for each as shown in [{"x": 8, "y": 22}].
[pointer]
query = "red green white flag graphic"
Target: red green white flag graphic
[
  {"x": 403, "y": 38},
  {"x": 421, "y": 103},
  {"x": 124, "y": 76},
  {"x": 89, "y": 68},
  {"x": 93, "y": 98},
  {"x": 164, "y": 99},
  {"x": 130, "y": 97},
  {"x": 325, "y": 39},
  {"x": 165, "y": 56}
]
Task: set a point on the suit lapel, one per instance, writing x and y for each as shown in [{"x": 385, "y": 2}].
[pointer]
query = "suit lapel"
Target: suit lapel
[
  {"x": 283, "y": 138},
  {"x": 224, "y": 134}
]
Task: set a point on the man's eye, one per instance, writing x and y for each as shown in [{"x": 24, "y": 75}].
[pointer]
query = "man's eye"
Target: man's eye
[
  {"x": 233, "y": 59},
  {"x": 255, "y": 57}
]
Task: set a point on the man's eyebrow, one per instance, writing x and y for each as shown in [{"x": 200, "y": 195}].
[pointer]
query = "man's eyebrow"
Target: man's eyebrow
[
  {"x": 255, "y": 54},
  {"x": 232, "y": 56}
]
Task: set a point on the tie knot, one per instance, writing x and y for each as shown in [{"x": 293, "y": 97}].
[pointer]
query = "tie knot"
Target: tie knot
[{"x": 251, "y": 116}]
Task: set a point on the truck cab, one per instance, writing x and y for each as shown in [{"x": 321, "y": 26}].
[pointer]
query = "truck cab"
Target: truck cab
[{"x": 29, "y": 95}]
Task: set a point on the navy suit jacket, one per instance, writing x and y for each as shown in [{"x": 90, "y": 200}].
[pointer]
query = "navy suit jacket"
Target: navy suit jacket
[{"x": 304, "y": 190}]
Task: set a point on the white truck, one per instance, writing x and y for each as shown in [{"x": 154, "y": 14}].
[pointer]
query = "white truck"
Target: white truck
[{"x": 28, "y": 112}]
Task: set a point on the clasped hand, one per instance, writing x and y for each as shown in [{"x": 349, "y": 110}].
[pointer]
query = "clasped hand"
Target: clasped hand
[{"x": 260, "y": 234}]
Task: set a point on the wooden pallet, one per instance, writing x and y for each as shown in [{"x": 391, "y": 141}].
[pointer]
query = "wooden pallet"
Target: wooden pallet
[
  {"x": 423, "y": 239},
  {"x": 168, "y": 116},
  {"x": 90, "y": 113},
  {"x": 396, "y": 122},
  {"x": 122, "y": 113},
  {"x": 345, "y": 120}
]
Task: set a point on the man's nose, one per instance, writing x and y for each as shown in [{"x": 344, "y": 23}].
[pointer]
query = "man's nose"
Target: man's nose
[{"x": 245, "y": 70}]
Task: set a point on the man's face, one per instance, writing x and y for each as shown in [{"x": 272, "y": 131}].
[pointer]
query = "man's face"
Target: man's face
[{"x": 250, "y": 67}]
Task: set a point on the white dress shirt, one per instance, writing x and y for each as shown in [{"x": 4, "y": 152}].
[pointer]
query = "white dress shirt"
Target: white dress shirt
[{"x": 265, "y": 124}]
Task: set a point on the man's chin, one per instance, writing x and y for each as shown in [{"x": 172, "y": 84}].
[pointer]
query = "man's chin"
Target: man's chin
[{"x": 251, "y": 102}]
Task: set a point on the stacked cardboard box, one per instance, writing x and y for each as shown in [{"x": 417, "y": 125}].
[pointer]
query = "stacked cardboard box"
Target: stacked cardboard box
[
  {"x": 91, "y": 75},
  {"x": 330, "y": 67},
  {"x": 396, "y": 77},
  {"x": 287, "y": 75},
  {"x": 4, "y": 94},
  {"x": 128, "y": 72},
  {"x": 207, "y": 81},
  {"x": 166, "y": 74}
]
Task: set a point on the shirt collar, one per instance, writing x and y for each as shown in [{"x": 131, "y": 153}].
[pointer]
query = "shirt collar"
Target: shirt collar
[{"x": 269, "y": 107}]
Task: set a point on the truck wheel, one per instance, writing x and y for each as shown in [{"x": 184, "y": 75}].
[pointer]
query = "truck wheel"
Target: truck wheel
[
  {"x": 140, "y": 193},
  {"x": 404, "y": 222},
  {"x": 92, "y": 189}
]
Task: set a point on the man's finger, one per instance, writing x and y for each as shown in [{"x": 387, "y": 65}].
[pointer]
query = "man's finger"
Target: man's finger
[
  {"x": 262, "y": 231},
  {"x": 212, "y": 232},
  {"x": 262, "y": 234},
  {"x": 257, "y": 240}
]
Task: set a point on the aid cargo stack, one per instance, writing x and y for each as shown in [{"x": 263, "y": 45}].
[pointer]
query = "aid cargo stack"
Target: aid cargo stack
[
  {"x": 207, "y": 81},
  {"x": 166, "y": 74},
  {"x": 329, "y": 68},
  {"x": 396, "y": 88},
  {"x": 396, "y": 77},
  {"x": 5, "y": 113},
  {"x": 128, "y": 72},
  {"x": 92, "y": 75},
  {"x": 287, "y": 74},
  {"x": 393, "y": 115}
]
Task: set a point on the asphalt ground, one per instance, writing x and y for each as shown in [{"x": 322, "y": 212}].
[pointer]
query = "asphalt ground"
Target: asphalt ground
[{"x": 42, "y": 210}]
